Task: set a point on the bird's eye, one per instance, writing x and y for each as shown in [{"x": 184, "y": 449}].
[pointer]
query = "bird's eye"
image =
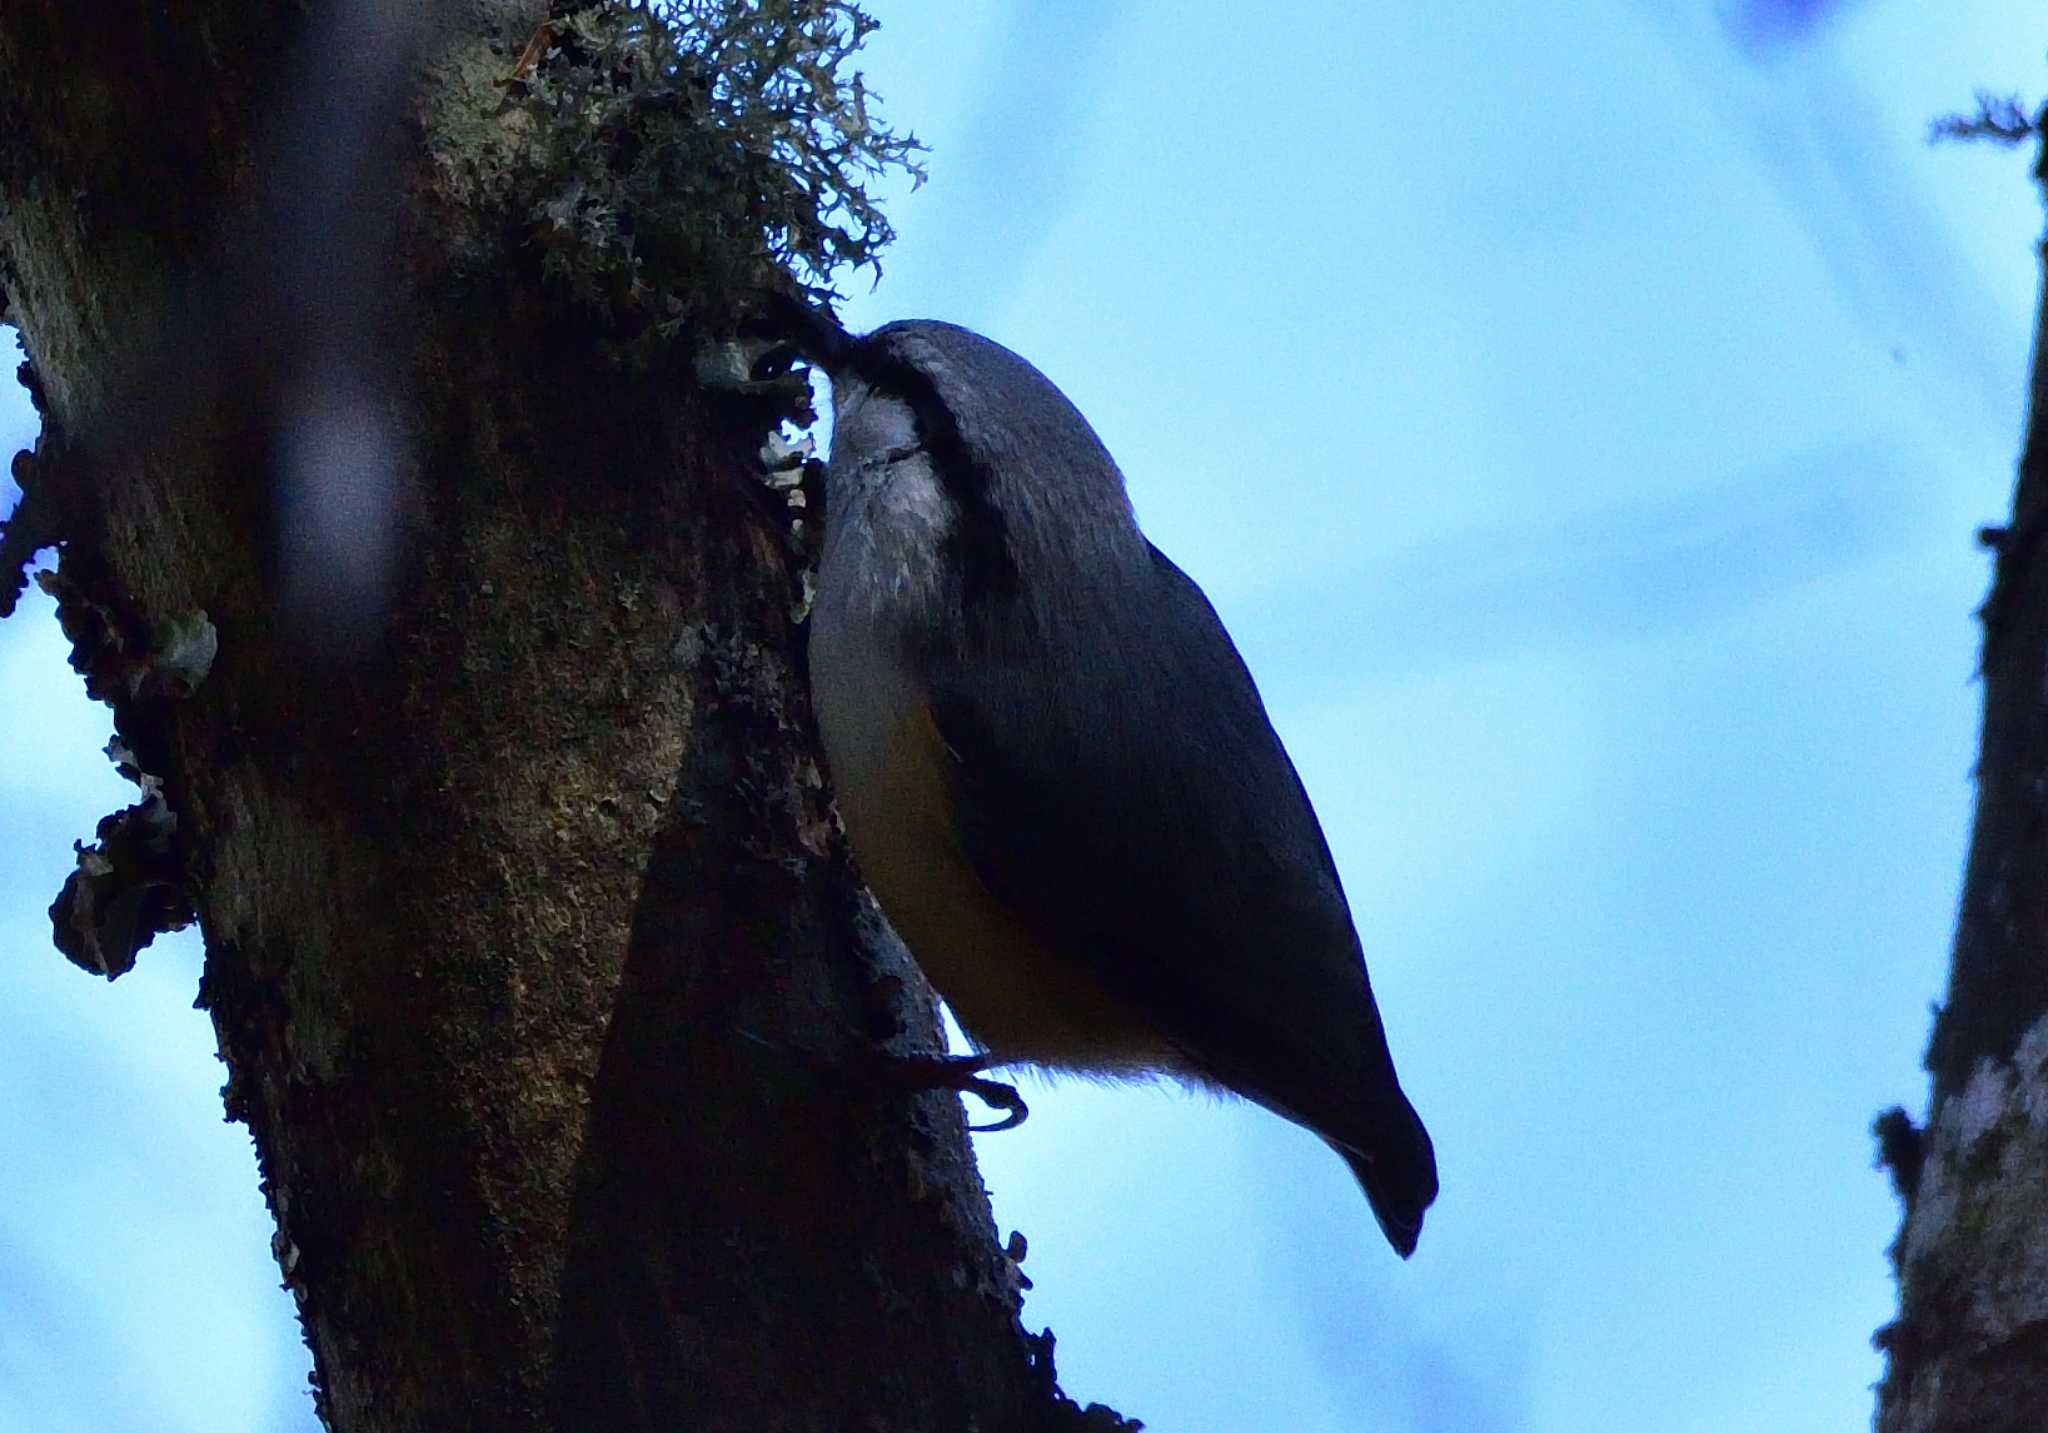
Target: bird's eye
[{"x": 774, "y": 363}]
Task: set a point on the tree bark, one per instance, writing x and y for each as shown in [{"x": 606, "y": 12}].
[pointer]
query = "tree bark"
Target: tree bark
[
  {"x": 532, "y": 944},
  {"x": 1969, "y": 1349}
]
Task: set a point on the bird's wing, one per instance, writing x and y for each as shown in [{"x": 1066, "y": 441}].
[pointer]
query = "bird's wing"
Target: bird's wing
[{"x": 1121, "y": 790}]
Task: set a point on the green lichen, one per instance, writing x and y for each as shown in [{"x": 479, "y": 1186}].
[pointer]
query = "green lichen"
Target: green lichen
[{"x": 684, "y": 153}]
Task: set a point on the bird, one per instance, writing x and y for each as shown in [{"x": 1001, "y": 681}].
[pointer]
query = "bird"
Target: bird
[{"x": 1055, "y": 770}]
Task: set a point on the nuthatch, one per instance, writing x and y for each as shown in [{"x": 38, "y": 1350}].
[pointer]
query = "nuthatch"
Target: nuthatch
[{"x": 1055, "y": 770}]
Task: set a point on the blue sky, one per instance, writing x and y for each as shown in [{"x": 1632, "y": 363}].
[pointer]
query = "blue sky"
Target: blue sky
[{"x": 1580, "y": 416}]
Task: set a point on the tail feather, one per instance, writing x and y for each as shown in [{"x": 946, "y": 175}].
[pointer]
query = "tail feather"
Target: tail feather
[{"x": 1396, "y": 1166}]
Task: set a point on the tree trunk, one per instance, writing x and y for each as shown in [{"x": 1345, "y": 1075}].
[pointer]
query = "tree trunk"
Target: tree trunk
[
  {"x": 532, "y": 945},
  {"x": 1969, "y": 1349}
]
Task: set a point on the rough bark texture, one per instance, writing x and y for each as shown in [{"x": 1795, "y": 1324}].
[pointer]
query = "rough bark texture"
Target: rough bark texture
[
  {"x": 532, "y": 946},
  {"x": 1969, "y": 1349}
]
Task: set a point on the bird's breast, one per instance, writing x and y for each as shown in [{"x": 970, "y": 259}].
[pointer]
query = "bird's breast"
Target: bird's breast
[{"x": 894, "y": 778}]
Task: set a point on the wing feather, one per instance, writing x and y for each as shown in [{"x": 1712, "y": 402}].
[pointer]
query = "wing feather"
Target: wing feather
[{"x": 1120, "y": 789}]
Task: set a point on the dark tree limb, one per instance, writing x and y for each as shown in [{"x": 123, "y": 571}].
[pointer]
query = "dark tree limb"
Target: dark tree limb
[{"x": 1969, "y": 1349}]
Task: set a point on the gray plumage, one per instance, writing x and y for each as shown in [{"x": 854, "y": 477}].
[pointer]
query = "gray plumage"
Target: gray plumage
[{"x": 1056, "y": 771}]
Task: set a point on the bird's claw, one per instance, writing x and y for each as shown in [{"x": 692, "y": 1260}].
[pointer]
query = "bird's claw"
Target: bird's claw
[
  {"x": 963, "y": 1073},
  {"x": 998, "y": 1096}
]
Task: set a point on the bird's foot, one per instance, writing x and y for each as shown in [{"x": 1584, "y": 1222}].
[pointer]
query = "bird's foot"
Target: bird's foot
[{"x": 962, "y": 1073}]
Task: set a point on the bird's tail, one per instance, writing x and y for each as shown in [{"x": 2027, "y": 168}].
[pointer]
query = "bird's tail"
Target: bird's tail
[{"x": 1396, "y": 1165}]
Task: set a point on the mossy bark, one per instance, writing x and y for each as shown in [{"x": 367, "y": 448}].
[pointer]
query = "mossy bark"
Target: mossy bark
[{"x": 532, "y": 946}]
